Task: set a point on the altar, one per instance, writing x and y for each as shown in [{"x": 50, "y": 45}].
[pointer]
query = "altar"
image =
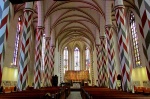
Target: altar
[{"x": 76, "y": 76}]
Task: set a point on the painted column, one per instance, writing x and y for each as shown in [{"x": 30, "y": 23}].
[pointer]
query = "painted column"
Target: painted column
[
  {"x": 5, "y": 15},
  {"x": 98, "y": 54},
  {"x": 103, "y": 59},
  {"x": 110, "y": 48},
  {"x": 123, "y": 44},
  {"x": 111, "y": 58},
  {"x": 47, "y": 79},
  {"x": 103, "y": 73},
  {"x": 144, "y": 6},
  {"x": 52, "y": 53},
  {"x": 99, "y": 66},
  {"x": 38, "y": 49},
  {"x": 24, "y": 49},
  {"x": 61, "y": 73},
  {"x": 92, "y": 71}
]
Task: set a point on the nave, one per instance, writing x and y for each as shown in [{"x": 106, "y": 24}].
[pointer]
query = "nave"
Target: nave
[{"x": 107, "y": 38}]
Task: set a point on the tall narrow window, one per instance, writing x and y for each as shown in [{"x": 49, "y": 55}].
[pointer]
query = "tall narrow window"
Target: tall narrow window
[
  {"x": 76, "y": 59},
  {"x": 65, "y": 59},
  {"x": 135, "y": 39},
  {"x": 87, "y": 53},
  {"x": 43, "y": 51},
  {"x": 19, "y": 25}
]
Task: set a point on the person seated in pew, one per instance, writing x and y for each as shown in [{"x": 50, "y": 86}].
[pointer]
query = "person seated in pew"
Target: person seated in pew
[
  {"x": 15, "y": 88},
  {"x": 1, "y": 89}
]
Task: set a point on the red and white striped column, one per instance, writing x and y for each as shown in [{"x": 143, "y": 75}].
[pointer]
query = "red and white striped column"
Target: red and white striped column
[
  {"x": 103, "y": 74},
  {"x": 47, "y": 77},
  {"x": 98, "y": 54},
  {"x": 99, "y": 66},
  {"x": 52, "y": 53},
  {"x": 38, "y": 49},
  {"x": 24, "y": 49},
  {"x": 111, "y": 58},
  {"x": 110, "y": 47},
  {"x": 38, "y": 58},
  {"x": 52, "y": 49},
  {"x": 123, "y": 44},
  {"x": 144, "y": 6},
  {"x": 5, "y": 10},
  {"x": 47, "y": 74},
  {"x": 107, "y": 29}
]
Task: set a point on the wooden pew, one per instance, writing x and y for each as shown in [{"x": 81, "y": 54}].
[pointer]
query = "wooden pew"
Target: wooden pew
[
  {"x": 54, "y": 92},
  {"x": 97, "y": 93}
]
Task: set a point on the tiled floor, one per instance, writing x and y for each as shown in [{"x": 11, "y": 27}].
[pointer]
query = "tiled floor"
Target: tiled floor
[{"x": 74, "y": 95}]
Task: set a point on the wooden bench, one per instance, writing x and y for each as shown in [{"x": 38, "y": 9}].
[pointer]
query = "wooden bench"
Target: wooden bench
[
  {"x": 140, "y": 89},
  {"x": 49, "y": 92},
  {"x": 97, "y": 93},
  {"x": 8, "y": 89}
]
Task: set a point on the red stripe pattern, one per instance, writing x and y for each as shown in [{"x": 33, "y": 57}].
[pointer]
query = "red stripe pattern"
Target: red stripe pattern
[
  {"x": 38, "y": 58},
  {"x": 103, "y": 74},
  {"x": 5, "y": 10},
  {"x": 24, "y": 50},
  {"x": 99, "y": 66},
  {"x": 52, "y": 49},
  {"x": 144, "y": 6},
  {"x": 47, "y": 78},
  {"x": 92, "y": 71},
  {"x": 111, "y": 59},
  {"x": 123, "y": 49}
]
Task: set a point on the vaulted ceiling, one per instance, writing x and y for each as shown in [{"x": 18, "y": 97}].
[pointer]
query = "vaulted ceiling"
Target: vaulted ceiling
[{"x": 75, "y": 20}]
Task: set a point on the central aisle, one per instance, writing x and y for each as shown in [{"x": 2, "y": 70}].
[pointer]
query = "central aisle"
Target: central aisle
[{"x": 74, "y": 95}]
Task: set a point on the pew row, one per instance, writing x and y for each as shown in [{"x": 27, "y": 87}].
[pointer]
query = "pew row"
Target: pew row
[
  {"x": 42, "y": 93},
  {"x": 106, "y": 93}
]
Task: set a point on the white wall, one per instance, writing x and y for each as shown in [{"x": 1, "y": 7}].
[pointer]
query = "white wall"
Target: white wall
[
  {"x": 10, "y": 74},
  {"x": 139, "y": 74}
]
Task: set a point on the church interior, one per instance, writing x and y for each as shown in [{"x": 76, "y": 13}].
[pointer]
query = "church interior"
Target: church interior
[{"x": 50, "y": 49}]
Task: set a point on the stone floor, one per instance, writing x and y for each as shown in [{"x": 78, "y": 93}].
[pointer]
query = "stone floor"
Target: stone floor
[{"x": 74, "y": 95}]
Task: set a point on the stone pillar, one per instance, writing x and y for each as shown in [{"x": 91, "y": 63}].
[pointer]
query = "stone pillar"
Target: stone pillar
[
  {"x": 143, "y": 7},
  {"x": 111, "y": 57},
  {"x": 52, "y": 53},
  {"x": 98, "y": 54},
  {"x": 24, "y": 49},
  {"x": 123, "y": 44},
  {"x": 92, "y": 70},
  {"x": 5, "y": 10},
  {"x": 47, "y": 76},
  {"x": 103, "y": 69},
  {"x": 99, "y": 66},
  {"x": 38, "y": 49},
  {"x": 110, "y": 48}
]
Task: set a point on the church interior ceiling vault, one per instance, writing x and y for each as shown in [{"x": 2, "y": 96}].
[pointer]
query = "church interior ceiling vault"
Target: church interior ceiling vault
[{"x": 73, "y": 20}]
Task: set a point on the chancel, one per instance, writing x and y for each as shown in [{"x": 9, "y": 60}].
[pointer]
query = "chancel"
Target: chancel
[{"x": 63, "y": 49}]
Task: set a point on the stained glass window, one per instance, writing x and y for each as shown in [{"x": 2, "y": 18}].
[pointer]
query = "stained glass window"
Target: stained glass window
[
  {"x": 18, "y": 34},
  {"x": 65, "y": 59},
  {"x": 135, "y": 39},
  {"x": 76, "y": 59},
  {"x": 87, "y": 53}
]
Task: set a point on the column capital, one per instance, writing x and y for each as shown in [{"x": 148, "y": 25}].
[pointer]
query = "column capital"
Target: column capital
[
  {"x": 28, "y": 10},
  {"x": 40, "y": 27},
  {"x": 102, "y": 37},
  {"x": 48, "y": 38},
  {"x": 109, "y": 26},
  {"x": 98, "y": 45},
  {"x": 53, "y": 46},
  {"x": 119, "y": 7}
]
